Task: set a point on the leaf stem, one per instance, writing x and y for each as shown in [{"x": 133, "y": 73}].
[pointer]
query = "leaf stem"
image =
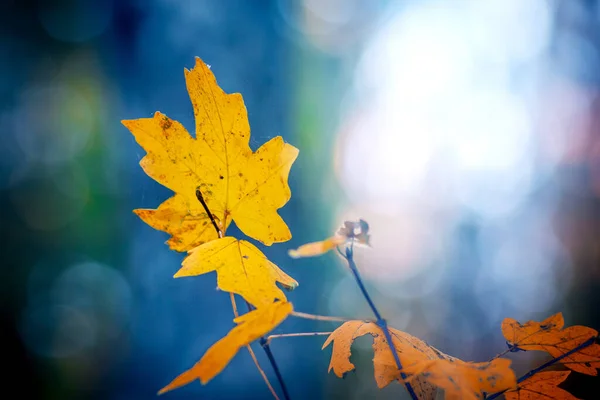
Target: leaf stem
[
  {"x": 269, "y": 353},
  {"x": 212, "y": 219},
  {"x": 234, "y": 305},
  {"x": 501, "y": 354},
  {"x": 349, "y": 256},
  {"x": 315, "y": 317},
  {"x": 284, "y": 335},
  {"x": 262, "y": 372},
  {"x": 534, "y": 371}
]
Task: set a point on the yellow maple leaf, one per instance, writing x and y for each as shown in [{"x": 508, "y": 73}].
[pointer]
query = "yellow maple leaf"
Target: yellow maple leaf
[
  {"x": 465, "y": 380},
  {"x": 543, "y": 385},
  {"x": 409, "y": 348},
  {"x": 235, "y": 183},
  {"x": 549, "y": 336},
  {"x": 241, "y": 268},
  {"x": 251, "y": 326}
]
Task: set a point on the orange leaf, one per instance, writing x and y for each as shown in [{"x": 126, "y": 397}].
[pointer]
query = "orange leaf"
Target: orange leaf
[
  {"x": 465, "y": 380},
  {"x": 532, "y": 334},
  {"x": 549, "y": 336},
  {"x": 251, "y": 326},
  {"x": 543, "y": 385},
  {"x": 241, "y": 268},
  {"x": 585, "y": 361},
  {"x": 234, "y": 182},
  {"x": 409, "y": 348}
]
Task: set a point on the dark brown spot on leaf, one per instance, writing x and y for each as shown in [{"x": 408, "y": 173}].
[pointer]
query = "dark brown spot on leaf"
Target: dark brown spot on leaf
[{"x": 165, "y": 123}]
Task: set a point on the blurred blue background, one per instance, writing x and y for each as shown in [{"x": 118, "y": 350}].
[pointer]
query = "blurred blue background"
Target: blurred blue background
[{"x": 465, "y": 132}]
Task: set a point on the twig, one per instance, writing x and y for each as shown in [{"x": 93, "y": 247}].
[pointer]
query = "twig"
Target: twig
[
  {"x": 380, "y": 321},
  {"x": 269, "y": 353},
  {"x": 262, "y": 372},
  {"x": 212, "y": 219},
  {"x": 284, "y": 335},
  {"x": 534, "y": 371},
  {"x": 233, "y": 305},
  {"x": 501, "y": 354},
  {"x": 315, "y": 317}
]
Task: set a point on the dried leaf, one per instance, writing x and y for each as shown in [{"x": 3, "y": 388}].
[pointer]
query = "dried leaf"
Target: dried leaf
[
  {"x": 241, "y": 268},
  {"x": 351, "y": 230},
  {"x": 234, "y": 182},
  {"x": 532, "y": 334},
  {"x": 251, "y": 326},
  {"x": 317, "y": 248},
  {"x": 357, "y": 230},
  {"x": 465, "y": 380},
  {"x": 409, "y": 348},
  {"x": 549, "y": 336},
  {"x": 543, "y": 385}
]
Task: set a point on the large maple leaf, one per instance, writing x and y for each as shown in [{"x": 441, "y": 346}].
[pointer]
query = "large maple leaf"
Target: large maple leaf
[
  {"x": 235, "y": 183},
  {"x": 410, "y": 349},
  {"x": 549, "y": 336},
  {"x": 251, "y": 326}
]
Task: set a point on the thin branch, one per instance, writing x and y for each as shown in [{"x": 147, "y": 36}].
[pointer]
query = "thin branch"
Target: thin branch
[
  {"x": 534, "y": 371},
  {"x": 262, "y": 372},
  {"x": 269, "y": 353},
  {"x": 501, "y": 354},
  {"x": 284, "y": 335},
  {"x": 234, "y": 305},
  {"x": 315, "y": 317},
  {"x": 380, "y": 321}
]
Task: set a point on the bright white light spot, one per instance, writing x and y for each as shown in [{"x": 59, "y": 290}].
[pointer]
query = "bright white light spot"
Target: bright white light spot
[
  {"x": 431, "y": 111},
  {"x": 506, "y": 31},
  {"x": 386, "y": 154},
  {"x": 416, "y": 57}
]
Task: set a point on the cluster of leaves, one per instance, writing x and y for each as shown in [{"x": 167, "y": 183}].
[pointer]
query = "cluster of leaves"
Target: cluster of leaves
[
  {"x": 428, "y": 368},
  {"x": 217, "y": 179}
]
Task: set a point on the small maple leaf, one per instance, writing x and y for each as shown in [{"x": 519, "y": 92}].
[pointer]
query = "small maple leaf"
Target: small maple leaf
[
  {"x": 241, "y": 268},
  {"x": 236, "y": 183},
  {"x": 251, "y": 326},
  {"x": 465, "y": 380},
  {"x": 409, "y": 348},
  {"x": 549, "y": 336},
  {"x": 543, "y": 385},
  {"x": 356, "y": 231}
]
